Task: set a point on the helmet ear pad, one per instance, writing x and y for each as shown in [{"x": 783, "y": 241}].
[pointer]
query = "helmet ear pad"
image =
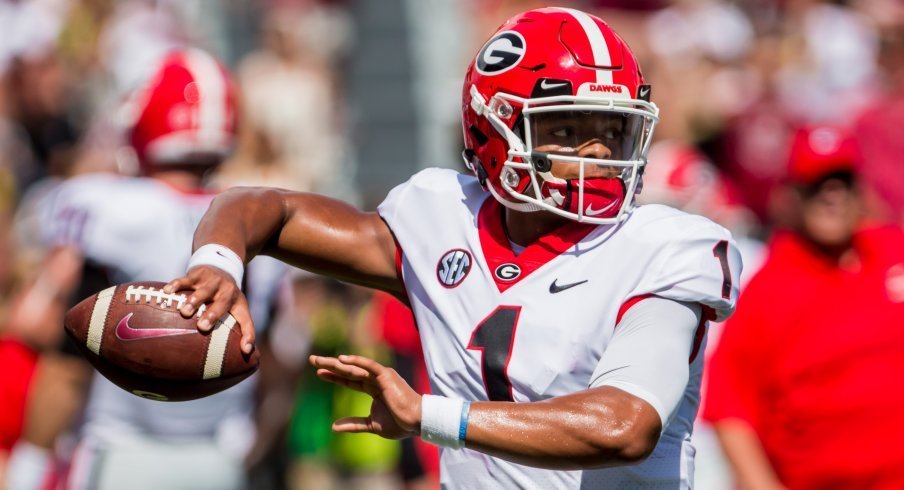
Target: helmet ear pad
[{"x": 497, "y": 152}]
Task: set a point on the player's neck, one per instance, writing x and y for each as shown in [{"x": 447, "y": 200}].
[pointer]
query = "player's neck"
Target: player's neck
[
  {"x": 526, "y": 228},
  {"x": 180, "y": 180}
]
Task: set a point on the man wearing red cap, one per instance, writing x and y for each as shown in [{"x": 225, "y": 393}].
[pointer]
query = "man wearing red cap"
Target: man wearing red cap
[{"x": 804, "y": 385}]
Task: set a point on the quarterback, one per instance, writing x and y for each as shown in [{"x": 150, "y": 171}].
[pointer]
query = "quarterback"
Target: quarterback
[{"x": 561, "y": 323}]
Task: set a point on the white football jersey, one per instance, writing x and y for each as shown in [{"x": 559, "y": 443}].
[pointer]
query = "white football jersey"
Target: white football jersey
[
  {"x": 499, "y": 326},
  {"x": 140, "y": 229}
]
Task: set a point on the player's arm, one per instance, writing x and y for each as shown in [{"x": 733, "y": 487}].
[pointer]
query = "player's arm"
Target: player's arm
[
  {"x": 310, "y": 231},
  {"x": 618, "y": 420}
]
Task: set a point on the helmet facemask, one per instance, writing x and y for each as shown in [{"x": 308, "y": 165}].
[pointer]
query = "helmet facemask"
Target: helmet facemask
[{"x": 596, "y": 145}]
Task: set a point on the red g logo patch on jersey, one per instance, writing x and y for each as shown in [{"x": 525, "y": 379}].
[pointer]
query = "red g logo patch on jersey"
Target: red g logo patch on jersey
[{"x": 453, "y": 267}]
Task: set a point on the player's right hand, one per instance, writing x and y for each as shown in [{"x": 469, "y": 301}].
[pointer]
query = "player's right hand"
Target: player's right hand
[{"x": 217, "y": 290}]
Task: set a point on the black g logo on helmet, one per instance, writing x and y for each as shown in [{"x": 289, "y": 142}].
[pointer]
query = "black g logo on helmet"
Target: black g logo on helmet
[{"x": 501, "y": 53}]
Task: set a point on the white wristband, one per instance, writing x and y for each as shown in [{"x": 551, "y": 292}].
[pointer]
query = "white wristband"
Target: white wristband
[
  {"x": 222, "y": 258},
  {"x": 444, "y": 421}
]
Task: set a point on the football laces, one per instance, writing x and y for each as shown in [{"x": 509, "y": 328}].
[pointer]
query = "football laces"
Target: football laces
[{"x": 158, "y": 296}]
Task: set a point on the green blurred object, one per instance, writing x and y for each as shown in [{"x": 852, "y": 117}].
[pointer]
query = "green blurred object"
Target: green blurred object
[
  {"x": 310, "y": 432},
  {"x": 319, "y": 403},
  {"x": 361, "y": 452}
]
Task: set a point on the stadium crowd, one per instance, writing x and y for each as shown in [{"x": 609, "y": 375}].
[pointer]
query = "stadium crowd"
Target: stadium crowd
[{"x": 736, "y": 81}]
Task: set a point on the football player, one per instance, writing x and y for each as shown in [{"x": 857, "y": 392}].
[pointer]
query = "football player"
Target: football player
[
  {"x": 561, "y": 323},
  {"x": 181, "y": 125}
]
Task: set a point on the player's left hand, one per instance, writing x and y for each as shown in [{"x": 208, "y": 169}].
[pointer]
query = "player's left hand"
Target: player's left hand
[{"x": 396, "y": 409}]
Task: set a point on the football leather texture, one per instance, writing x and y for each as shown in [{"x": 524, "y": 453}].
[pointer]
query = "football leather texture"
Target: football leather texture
[{"x": 135, "y": 336}]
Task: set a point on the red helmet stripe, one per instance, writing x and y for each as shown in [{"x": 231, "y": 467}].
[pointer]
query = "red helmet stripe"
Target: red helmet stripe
[
  {"x": 598, "y": 45},
  {"x": 212, "y": 95}
]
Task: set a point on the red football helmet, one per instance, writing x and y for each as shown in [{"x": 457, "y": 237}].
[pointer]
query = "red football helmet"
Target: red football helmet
[
  {"x": 185, "y": 114},
  {"x": 558, "y": 85}
]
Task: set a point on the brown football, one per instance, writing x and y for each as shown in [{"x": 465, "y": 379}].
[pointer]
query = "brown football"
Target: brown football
[{"x": 135, "y": 336}]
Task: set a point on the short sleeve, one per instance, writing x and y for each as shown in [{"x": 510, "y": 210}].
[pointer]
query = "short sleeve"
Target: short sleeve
[
  {"x": 648, "y": 354},
  {"x": 394, "y": 201},
  {"x": 702, "y": 265}
]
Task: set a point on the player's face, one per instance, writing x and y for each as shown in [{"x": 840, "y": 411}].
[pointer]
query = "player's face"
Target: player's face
[{"x": 585, "y": 134}]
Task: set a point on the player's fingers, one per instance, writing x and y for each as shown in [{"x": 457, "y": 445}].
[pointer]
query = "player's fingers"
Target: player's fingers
[
  {"x": 202, "y": 296},
  {"x": 243, "y": 316},
  {"x": 331, "y": 377},
  {"x": 189, "y": 281},
  {"x": 334, "y": 365},
  {"x": 178, "y": 284},
  {"x": 353, "y": 424},
  {"x": 371, "y": 366}
]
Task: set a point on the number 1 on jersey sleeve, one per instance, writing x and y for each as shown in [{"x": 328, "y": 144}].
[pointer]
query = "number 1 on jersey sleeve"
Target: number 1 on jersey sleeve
[{"x": 721, "y": 251}]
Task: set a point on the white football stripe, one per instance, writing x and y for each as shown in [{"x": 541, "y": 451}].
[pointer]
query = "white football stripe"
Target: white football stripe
[
  {"x": 98, "y": 319},
  {"x": 216, "y": 349},
  {"x": 597, "y": 44},
  {"x": 212, "y": 92}
]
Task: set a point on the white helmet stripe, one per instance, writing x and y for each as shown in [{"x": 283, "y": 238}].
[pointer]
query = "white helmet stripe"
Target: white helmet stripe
[
  {"x": 597, "y": 45},
  {"x": 212, "y": 105}
]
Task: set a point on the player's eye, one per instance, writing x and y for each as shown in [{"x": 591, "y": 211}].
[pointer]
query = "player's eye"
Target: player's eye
[
  {"x": 612, "y": 133},
  {"x": 563, "y": 132}
]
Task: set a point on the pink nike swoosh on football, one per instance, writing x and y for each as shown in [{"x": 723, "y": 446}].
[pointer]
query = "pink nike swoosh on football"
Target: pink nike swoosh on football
[{"x": 125, "y": 332}]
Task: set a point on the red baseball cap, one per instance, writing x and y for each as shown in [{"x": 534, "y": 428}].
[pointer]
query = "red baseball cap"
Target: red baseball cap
[{"x": 817, "y": 151}]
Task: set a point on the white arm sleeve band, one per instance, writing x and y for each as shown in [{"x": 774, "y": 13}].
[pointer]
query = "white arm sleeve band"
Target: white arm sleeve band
[{"x": 648, "y": 355}]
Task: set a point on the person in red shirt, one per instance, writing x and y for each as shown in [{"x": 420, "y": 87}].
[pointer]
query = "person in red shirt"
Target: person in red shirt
[{"x": 804, "y": 386}]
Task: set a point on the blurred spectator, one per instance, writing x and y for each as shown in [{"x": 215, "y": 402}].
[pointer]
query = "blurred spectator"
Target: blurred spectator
[
  {"x": 799, "y": 385},
  {"x": 878, "y": 130},
  {"x": 292, "y": 135}
]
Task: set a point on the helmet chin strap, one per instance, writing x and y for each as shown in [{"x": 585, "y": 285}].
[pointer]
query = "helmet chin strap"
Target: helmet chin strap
[{"x": 524, "y": 207}]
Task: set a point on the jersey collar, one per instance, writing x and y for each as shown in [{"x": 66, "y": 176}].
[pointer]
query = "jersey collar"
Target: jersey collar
[{"x": 509, "y": 269}]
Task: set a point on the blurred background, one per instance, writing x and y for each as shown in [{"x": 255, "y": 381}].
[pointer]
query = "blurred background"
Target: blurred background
[{"x": 351, "y": 97}]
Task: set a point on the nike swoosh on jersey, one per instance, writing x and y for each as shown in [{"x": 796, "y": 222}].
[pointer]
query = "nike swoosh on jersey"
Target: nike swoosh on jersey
[
  {"x": 124, "y": 331},
  {"x": 557, "y": 288}
]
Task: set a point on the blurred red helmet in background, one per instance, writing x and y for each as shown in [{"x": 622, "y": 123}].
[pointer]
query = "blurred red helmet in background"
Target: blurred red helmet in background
[
  {"x": 537, "y": 64},
  {"x": 185, "y": 114}
]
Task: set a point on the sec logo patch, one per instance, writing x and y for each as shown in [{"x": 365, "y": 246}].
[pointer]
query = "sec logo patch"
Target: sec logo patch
[{"x": 453, "y": 267}]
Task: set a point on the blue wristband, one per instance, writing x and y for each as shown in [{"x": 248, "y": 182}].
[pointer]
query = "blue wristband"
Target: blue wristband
[{"x": 463, "y": 425}]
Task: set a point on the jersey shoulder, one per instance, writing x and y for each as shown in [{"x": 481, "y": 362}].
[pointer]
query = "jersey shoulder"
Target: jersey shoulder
[
  {"x": 695, "y": 259},
  {"x": 103, "y": 203},
  {"x": 429, "y": 191},
  {"x": 100, "y": 192},
  {"x": 657, "y": 222}
]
